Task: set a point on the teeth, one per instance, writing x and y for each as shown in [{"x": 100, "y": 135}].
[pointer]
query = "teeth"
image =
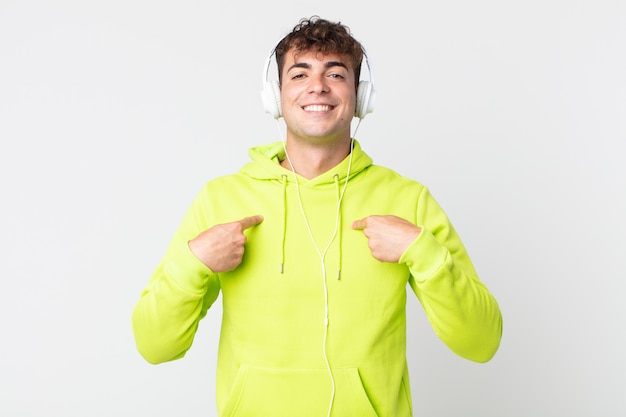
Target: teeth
[{"x": 317, "y": 107}]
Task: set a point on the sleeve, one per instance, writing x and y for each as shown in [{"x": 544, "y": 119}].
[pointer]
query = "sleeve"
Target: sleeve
[
  {"x": 177, "y": 296},
  {"x": 460, "y": 308}
]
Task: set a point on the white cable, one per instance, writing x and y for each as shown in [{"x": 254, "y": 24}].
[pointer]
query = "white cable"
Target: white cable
[{"x": 322, "y": 255}]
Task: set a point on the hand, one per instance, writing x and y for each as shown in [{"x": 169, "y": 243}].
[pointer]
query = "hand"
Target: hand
[
  {"x": 221, "y": 247},
  {"x": 388, "y": 236}
]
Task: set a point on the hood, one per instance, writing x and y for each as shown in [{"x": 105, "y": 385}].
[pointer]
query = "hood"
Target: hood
[{"x": 265, "y": 165}]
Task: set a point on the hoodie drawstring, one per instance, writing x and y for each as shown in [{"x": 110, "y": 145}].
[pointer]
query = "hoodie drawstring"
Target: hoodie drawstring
[
  {"x": 339, "y": 224},
  {"x": 338, "y": 218},
  {"x": 284, "y": 236}
]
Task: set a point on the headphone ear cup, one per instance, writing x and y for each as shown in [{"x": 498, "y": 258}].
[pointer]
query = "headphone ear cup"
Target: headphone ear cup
[
  {"x": 365, "y": 98},
  {"x": 271, "y": 99}
]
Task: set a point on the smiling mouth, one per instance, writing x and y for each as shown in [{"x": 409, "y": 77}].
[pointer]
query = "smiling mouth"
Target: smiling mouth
[{"x": 317, "y": 108}]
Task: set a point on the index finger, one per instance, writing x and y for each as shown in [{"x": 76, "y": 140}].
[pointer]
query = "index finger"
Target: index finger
[
  {"x": 248, "y": 222},
  {"x": 360, "y": 224}
]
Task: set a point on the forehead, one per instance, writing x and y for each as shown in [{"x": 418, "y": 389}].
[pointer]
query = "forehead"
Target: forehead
[{"x": 315, "y": 56}]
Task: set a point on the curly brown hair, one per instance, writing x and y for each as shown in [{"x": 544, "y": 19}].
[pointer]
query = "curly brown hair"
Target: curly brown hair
[{"x": 324, "y": 36}]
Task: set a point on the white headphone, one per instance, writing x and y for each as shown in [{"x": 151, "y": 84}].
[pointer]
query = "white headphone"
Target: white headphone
[{"x": 365, "y": 95}]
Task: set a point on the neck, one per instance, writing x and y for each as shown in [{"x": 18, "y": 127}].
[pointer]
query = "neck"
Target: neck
[{"x": 312, "y": 160}]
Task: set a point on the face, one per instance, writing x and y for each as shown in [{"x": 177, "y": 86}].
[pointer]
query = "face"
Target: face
[{"x": 318, "y": 97}]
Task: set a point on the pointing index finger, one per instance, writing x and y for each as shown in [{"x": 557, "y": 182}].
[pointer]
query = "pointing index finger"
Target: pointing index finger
[
  {"x": 359, "y": 224},
  {"x": 248, "y": 222}
]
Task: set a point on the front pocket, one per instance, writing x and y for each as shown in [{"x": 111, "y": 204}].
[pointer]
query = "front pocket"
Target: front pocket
[{"x": 270, "y": 392}]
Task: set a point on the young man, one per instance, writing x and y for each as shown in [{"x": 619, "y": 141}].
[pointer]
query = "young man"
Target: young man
[{"x": 313, "y": 248}]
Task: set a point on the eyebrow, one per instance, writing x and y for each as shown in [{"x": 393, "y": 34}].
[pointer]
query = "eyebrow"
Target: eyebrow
[{"x": 329, "y": 64}]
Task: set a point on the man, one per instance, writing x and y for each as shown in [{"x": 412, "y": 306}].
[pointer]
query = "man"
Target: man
[{"x": 313, "y": 248}]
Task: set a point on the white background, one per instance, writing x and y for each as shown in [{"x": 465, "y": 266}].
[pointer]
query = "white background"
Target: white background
[{"x": 113, "y": 114}]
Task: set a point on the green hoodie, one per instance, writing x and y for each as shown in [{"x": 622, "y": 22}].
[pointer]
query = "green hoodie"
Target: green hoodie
[{"x": 278, "y": 353}]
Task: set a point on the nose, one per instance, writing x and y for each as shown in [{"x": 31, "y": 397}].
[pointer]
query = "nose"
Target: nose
[{"x": 318, "y": 84}]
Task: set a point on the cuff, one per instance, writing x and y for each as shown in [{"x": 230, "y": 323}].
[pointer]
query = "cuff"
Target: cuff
[
  {"x": 187, "y": 270},
  {"x": 424, "y": 256}
]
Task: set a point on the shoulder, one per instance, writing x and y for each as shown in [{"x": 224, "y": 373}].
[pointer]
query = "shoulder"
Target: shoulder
[
  {"x": 224, "y": 185},
  {"x": 379, "y": 173},
  {"x": 227, "y": 180}
]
